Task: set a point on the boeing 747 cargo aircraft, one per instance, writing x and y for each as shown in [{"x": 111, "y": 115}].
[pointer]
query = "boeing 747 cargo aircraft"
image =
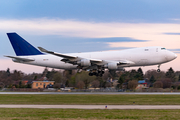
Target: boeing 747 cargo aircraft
[{"x": 95, "y": 62}]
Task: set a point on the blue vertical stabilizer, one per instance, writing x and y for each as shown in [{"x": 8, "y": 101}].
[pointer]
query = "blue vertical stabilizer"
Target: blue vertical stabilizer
[{"x": 21, "y": 46}]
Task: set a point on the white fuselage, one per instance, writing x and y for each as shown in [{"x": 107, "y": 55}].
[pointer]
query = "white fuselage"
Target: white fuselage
[{"x": 139, "y": 56}]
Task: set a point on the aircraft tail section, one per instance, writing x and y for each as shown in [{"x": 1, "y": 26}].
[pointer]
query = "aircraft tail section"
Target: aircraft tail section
[{"x": 21, "y": 46}]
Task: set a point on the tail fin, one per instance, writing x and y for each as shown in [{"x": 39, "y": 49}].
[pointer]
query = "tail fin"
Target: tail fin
[{"x": 21, "y": 46}]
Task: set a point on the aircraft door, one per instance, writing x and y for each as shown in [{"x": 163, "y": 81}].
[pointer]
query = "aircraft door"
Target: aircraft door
[
  {"x": 157, "y": 52},
  {"x": 165, "y": 54},
  {"x": 156, "y": 49}
]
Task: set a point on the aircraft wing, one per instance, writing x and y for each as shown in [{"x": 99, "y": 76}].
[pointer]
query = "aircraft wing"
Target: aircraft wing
[
  {"x": 74, "y": 59},
  {"x": 57, "y": 54},
  {"x": 20, "y": 58},
  {"x": 68, "y": 58}
]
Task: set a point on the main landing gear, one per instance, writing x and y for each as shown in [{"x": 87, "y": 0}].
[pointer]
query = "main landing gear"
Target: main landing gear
[
  {"x": 96, "y": 73},
  {"x": 158, "y": 70}
]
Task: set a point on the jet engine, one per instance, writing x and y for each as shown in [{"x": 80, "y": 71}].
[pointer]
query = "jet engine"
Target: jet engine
[
  {"x": 112, "y": 66},
  {"x": 84, "y": 62}
]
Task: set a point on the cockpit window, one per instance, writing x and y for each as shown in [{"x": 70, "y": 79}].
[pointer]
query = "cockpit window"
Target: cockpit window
[{"x": 163, "y": 48}]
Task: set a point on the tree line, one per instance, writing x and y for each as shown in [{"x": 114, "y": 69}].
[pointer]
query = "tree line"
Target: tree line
[{"x": 70, "y": 78}]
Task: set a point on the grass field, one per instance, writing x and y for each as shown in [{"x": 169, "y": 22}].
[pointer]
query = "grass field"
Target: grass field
[
  {"x": 91, "y": 99},
  {"x": 71, "y": 114},
  {"x": 79, "y": 114}
]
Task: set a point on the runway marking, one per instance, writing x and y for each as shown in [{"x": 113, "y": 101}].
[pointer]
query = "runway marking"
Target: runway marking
[{"x": 94, "y": 106}]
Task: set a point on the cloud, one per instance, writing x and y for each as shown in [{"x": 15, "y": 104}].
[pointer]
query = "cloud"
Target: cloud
[
  {"x": 152, "y": 32},
  {"x": 175, "y": 19},
  {"x": 172, "y": 33},
  {"x": 175, "y": 50}
]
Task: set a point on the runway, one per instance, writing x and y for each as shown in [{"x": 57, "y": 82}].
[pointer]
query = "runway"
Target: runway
[
  {"x": 103, "y": 93},
  {"x": 94, "y": 106}
]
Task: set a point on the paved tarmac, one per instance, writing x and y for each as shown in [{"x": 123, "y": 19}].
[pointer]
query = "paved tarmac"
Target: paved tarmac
[
  {"x": 106, "y": 93},
  {"x": 94, "y": 106}
]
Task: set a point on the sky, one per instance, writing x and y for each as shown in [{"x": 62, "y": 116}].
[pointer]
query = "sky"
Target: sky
[{"x": 67, "y": 26}]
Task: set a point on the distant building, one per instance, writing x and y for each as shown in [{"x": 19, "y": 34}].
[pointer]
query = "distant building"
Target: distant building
[
  {"x": 42, "y": 84},
  {"x": 142, "y": 84},
  {"x": 125, "y": 85},
  {"x": 25, "y": 82}
]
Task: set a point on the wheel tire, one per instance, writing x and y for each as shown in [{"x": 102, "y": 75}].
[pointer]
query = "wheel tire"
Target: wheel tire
[
  {"x": 158, "y": 70},
  {"x": 94, "y": 73},
  {"x": 90, "y": 74}
]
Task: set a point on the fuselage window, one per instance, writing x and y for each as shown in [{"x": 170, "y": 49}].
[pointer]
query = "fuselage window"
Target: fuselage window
[{"x": 146, "y": 49}]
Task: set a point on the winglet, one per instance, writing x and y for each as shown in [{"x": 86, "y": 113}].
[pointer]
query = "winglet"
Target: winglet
[{"x": 42, "y": 49}]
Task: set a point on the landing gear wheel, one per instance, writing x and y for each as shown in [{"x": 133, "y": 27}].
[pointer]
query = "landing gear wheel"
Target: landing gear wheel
[
  {"x": 100, "y": 73},
  {"x": 90, "y": 74},
  {"x": 158, "y": 70},
  {"x": 94, "y": 73}
]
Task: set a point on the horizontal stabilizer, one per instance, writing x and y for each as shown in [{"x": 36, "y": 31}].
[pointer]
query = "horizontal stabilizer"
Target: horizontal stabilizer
[{"x": 20, "y": 58}]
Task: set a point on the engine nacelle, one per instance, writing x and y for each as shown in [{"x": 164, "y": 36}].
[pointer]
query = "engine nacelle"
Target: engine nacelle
[
  {"x": 112, "y": 66},
  {"x": 84, "y": 62}
]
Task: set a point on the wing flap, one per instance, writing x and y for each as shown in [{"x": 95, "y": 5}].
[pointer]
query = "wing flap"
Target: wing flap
[
  {"x": 125, "y": 62},
  {"x": 96, "y": 60}
]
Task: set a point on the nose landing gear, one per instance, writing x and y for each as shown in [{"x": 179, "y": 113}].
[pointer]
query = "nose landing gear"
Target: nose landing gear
[{"x": 158, "y": 70}]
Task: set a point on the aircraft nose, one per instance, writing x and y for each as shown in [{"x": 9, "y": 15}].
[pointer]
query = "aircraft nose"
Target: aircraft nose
[
  {"x": 171, "y": 56},
  {"x": 175, "y": 55}
]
